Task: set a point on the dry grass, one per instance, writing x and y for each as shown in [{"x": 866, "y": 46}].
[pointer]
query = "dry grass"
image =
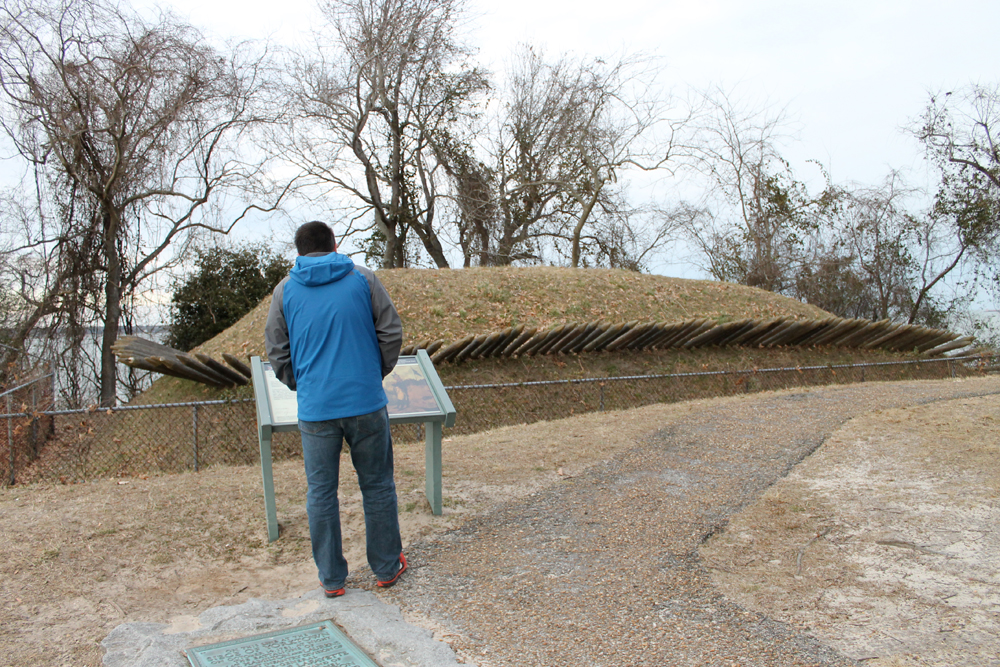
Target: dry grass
[
  {"x": 448, "y": 305},
  {"x": 452, "y": 304}
]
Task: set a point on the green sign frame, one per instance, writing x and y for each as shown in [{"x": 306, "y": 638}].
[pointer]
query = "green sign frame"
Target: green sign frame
[{"x": 416, "y": 395}]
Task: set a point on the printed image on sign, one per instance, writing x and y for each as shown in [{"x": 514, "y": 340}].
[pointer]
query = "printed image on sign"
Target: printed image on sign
[
  {"x": 408, "y": 391},
  {"x": 317, "y": 645}
]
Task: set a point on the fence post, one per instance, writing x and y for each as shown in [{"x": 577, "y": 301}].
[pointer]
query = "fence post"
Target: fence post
[
  {"x": 33, "y": 434},
  {"x": 601, "y": 385},
  {"x": 10, "y": 442},
  {"x": 194, "y": 429},
  {"x": 951, "y": 368}
]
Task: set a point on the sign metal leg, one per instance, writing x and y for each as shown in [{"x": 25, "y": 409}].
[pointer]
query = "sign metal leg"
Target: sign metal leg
[
  {"x": 432, "y": 465},
  {"x": 267, "y": 473}
]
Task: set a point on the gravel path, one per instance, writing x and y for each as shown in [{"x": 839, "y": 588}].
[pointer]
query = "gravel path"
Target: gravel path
[{"x": 603, "y": 569}]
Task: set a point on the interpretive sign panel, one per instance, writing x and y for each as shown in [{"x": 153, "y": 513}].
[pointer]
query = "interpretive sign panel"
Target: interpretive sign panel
[
  {"x": 284, "y": 405},
  {"x": 316, "y": 645},
  {"x": 415, "y": 395},
  {"x": 407, "y": 387}
]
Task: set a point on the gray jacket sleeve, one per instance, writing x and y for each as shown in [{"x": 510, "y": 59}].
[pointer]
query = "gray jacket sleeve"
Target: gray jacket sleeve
[
  {"x": 276, "y": 342},
  {"x": 388, "y": 326}
]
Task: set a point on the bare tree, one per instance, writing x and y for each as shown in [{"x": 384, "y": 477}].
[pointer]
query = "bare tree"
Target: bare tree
[
  {"x": 880, "y": 232},
  {"x": 875, "y": 255},
  {"x": 42, "y": 282},
  {"x": 756, "y": 211},
  {"x": 858, "y": 251},
  {"x": 372, "y": 107},
  {"x": 862, "y": 261},
  {"x": 473, "y": 196},
  {"x": 954, "y": 238},
  {"x": 626, "y": 128},
  {"x": 540, "y": 112},
  {"x": 568, "y": 132},
  {"x": 630, "y": 242},
  {"x": 133, "y": 127},
  {"x": 960, "y": 131}
]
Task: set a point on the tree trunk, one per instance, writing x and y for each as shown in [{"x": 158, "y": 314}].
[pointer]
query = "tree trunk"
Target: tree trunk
[
  {"x": 505, "y": 248},
  {"x": 505, "y": 245},
  {"x": 389, "y": 253},
  {"x": 436, "y": 252},
  {"x": 922, "y": 294},
  {"x": 484, "y": 244},
  {"x": 580, "y": 224},
  {"x": 432, "y": 245},
  {"x": 112, "y": 311},
  {"x": 392, "y": 242}
]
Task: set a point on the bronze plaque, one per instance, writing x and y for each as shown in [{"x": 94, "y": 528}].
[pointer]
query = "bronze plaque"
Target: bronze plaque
[{"x": 316, "y": 645}]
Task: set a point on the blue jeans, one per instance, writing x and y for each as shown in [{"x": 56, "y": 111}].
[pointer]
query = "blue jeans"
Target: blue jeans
[{"x": 370, "y": 445}]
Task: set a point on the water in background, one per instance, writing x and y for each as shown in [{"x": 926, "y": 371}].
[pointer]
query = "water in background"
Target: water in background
[
  {"x": 983, "y": 324},
  {"x": 76, "y": 383}
]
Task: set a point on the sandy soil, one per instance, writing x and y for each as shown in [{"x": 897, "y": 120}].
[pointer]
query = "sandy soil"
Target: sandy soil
[
  {"x": 891, "y": 521},
  {"x": 884, "y": 542}
]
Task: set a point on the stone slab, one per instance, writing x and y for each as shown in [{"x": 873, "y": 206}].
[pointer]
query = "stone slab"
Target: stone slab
[{"x": 377, "y": 628}]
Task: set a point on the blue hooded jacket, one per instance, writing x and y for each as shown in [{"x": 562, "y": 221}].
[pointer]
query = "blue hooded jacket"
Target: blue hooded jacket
[{"x": 329, "y": 310}]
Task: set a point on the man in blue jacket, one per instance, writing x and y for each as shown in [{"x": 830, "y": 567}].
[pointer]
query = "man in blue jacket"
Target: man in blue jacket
[{"x": 332, "y": 334}]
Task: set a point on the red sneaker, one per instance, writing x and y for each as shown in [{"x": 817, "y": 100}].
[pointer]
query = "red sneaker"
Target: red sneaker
[
  {"x": 335, "y": 593},
  {"x": 402, "y": 569}
]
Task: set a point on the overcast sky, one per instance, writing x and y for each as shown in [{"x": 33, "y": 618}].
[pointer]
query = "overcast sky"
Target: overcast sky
[{"x": 850, "y": 74}]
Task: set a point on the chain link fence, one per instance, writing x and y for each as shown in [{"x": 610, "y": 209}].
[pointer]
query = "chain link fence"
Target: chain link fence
[
  {"x": 74, "y": 445},
  {"x": 23, "y": 438},
  {"x": 483, "y": 407}
]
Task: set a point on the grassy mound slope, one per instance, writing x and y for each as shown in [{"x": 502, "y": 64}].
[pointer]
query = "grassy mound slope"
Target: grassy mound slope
[{"x": 450, "y": 304}]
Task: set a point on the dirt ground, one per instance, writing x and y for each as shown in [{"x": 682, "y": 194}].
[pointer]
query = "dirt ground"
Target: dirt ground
[
  {"x": 882, "y": 543},
  {"x": 78, "y": 560}
]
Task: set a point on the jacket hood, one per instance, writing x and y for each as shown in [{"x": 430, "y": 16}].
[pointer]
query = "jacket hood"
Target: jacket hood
[{"x": 313, "y": 270}]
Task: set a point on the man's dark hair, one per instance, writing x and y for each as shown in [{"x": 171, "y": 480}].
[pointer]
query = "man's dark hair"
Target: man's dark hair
[{"x": 315, "y": 236}]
